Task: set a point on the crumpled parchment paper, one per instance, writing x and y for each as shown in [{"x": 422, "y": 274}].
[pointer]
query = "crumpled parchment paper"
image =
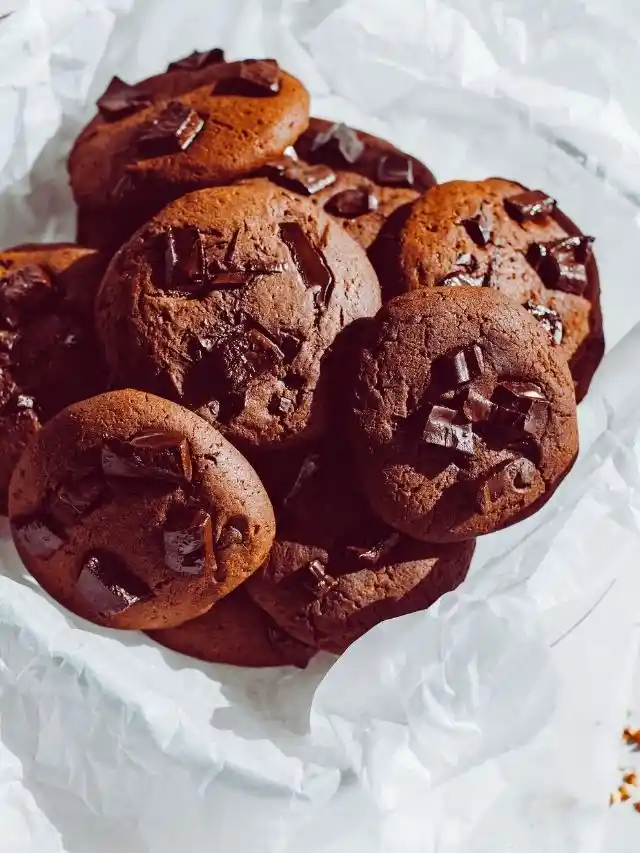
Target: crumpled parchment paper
[{"x": 489, "y": 723}]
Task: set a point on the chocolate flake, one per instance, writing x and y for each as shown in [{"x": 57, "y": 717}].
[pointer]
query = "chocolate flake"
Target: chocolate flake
[
  {"x": 352, "y": 203},
  {"x": 36, "y": 535},
  {"x": 188, "y": 542},
  {"x": 120, "y": 100},
  {"x": 516, "y": 475},
  {"x": 184, "y": 259},
  {"x": 316, "y": 579},
  {"x": 298, "y": 176},
  {"x": 441, "y": 430},
  {"x": 530, "y": 204},
  {"x": 310, "y": 261},
  {"x": 197, "y": 60},
  {"x": 561, "y": 264},
  {"x": 173, "y": 130},
  {"x": 521, "y": 409},
  {"x": 73, "y": 500},
  {"x": 373, "y": 555},
  {"x": 340, "y": 141},
  {"x": 479, "y": 227},
  {"x": 24, "y": 291},
  {"x": 548, "y": 319},
  {"x": 107, "y": 586},
  {"x": 153, "y": 455},
  {"x": 395, "y": 170},
  {"x": 250, "y": 77}
]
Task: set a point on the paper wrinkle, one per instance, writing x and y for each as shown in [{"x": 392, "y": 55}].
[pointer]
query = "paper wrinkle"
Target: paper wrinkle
[{"x": 457, "y": 729}]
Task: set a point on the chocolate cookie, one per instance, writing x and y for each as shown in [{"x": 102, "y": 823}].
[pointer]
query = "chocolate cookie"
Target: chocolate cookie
[
  {"x": 498, "y": 234},
  {"x": 236, "y": 631},
  {"x": 335, "y": 570},
  {"x": 48, "y": 355},
  {"x": 203, "y": 122},
  {"x": 229, "y": 302},
  {"x": 135, "y": 513},
  {"x": 464, "y": 416}
]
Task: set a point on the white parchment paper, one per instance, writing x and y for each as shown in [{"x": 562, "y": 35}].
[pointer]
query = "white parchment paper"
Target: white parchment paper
[{"x": 489, "y": 723}]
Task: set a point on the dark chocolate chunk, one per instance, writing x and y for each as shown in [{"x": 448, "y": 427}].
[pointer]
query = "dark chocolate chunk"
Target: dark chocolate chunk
[
  {"x": 298, "y": 176},
  {"x": 340, "y": 141},
  {"x": 234, "y": 532},
  {"x": 197, "y": 60},
  {"x": 8, "y": 388},
  {"x": 520, "y": 408},
  {"x": 442, "y": 430},
  {"x": 561, "y": 264},
  {"x": 24, "y": 291},
  {"x": 315, "y": 578},
  {"x": 352, "y": 203},
  {"x": 395, "y": 170},
  {"x": 529, "y": 204},
  {"x": 280, "y": 405},
  {"x": 516, "y": 475},
  {"x": 461, "y": 366},
  {"x": 474, "y": 406},
  {"x": 173, "y": 130},
  {"x": 152, "y": 455},
  {"x": 479, "y": 227},
  {"x": 311, "y": 263},
  {"x": 72, "y": 500},
  {"x": 185, "y": 263},
  {"x": 548, "y": 319},
  {"x": 120, "y": 100},
  {"x": 460, "y": 279},
  {"x": 36, "y": 535},
  {"x": 107, "y": 586},
  {"x": 373, "y": 555},
  {"x": 188, "y": 542},
  {"x": 8, "y": 340},
  {"x": 250, "y": 77}
]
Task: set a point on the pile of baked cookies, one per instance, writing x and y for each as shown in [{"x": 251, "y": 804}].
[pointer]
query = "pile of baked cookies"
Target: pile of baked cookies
[{"x": 284, "y": 379}]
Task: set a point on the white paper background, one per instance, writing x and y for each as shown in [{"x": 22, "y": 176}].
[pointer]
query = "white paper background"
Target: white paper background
[{"x": 462, "y": 729}]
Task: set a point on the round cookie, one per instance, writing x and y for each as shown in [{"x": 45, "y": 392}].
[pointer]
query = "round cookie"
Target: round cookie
[
  {"x": 202, "y": 122},
  {"x": 335, "y": 570},
  {"x": 135, "y": 513},
  {"x": 498, "y": 234},
  {"x": 464, "y": 416},
  {"x": 236, "y": 631},
  {"x": 48, "y": 355},
  {"x": 229, "y": 302}
]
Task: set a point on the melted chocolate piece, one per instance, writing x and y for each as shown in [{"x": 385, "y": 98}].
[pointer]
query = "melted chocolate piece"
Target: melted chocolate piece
[
  {"x": 107, "y": 586},
  {"x": 173, "y": 130},
  {"x": 521, "y": 409},
  {"x": 530, "y": 204},
  {"x": 184, "y": 258},
  {"x": 442, "y": 430},
  {"x": 8, "y": 388},
  {"x": 561, "y": 264},
  {"x": 340, "y": 142},
  {"x": 461, "y": 366},
  {"x": 151, "y": 455},
  {"x": 352, "y": 203},
  {"x": 395, "y": 170},
  {"x": 120, "y": 100},
  {"x": 8, "y": 340},
  {"x": 478, "y": 227},
  {"x": 372, "y": 556},
  {"x": 548, "y": 319},
  {"x": 36, "y": 535},
  {"x": 311, "y": 263},
  {"x": 474, "y": 406},
  {"x": 188, "y": 542},
  {"x": 251, "y": 77},
  {"x": 514, "y": 476},
  {"x": 298, "y": 176},
  {"x": 24, "y": 291},
  {"x": 73, "y": 500},
  {"x": 197, "y": 60},
  {"x": 316, "y": 579}
]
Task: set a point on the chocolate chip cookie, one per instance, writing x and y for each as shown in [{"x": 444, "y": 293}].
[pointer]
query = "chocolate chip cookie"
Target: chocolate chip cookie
[
  {"x": 135, "y": 513},
  {"x": 335, "y": 570},
  {"x": 229, "y": 302},
  {"x": 48, "y": 355},
  {"x": 236, "y": 631},
  {"x": 464, "y": 416},
  {"x": 202, "y": 122},
  {"x": 498, "y": 234}
]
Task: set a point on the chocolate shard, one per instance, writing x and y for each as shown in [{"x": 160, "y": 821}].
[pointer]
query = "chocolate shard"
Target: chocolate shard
[
  {"x": 460, "y": 279},
  {"x": 474, "y": 406},
  {"x": 197, "y": 60},
  {"x": 395, "y": 170},
  {"x": 250, "y": 77},
  {"x": 316, "y": 579},
  {"x": 188, "y": 542},
  {"x": 173, "y": 130},
  {"x": 461, "y": 366},
  {"x": 338, "y": 142},
  {"x": 8, "y": 388},
  {"x": 151, "y": 455},
  {"x": 184, "y": 259},
  {"x": 517, "y": 475},
  {"x": 36, "y": 535},
  {"x": 443, "y": 430},
  {"x": 548, "y": 319},
  {"x": 562, "y": 264},
  {"x": 73, "y": 500},
  {"x": 310, "y": 262},
  {"x": 351, "y": 203},
  {"x": 530, "y": 204},
  {"x": 479, "y": 227},
  {"x": 520, "y": 409},
  {"x": 373, "y": 555},
  {"x": 107, "y": 586},
  {"x": 8, "y": 340},
  {"x": 23, "y": 292},
  {"x": 120, "y": 100},
  {"x": 299, "y": 176}
]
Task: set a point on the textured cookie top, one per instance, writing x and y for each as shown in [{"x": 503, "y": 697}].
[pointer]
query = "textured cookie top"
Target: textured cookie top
[
  {"x": 464, "y": 416},
  {"x": 229, "y": 301},
  {"x": 135, "y": 513}
]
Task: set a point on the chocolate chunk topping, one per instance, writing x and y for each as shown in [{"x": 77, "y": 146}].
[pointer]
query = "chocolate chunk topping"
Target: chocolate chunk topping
[
  {"x": 235, "y": 532},
  {"x": 37, "y": 536},
  {"x": 151, "y": 455},
  {"x": 8, "y": 340},
  {"x": 548, "y": 319},
  {"x": 561, "y": 264},
  {"x": 340, "y": 141},
  {"x": 395, "y": 170},
  {"x": 310, "y": 261},
  {"x": 529, "y": 205},
  {"x": 521, "y": 409},
  {"x": 75, "y": 499},
  {"x": 24, "y": 403},
  {"x": 173, "y": 130},
  {"x": 478, "y": 227},
  {"x": 460, "y": 367},
  {"x": 298, "y": 176},
  {"x": 373, "y": 555},
  {"x": 442, "y": 430},
  {"x": 106, "y": 585},
  {"x": 23, "y": 291},
  {"x": 315, "y": 578},
  {"x": 514, "y": 476},
  {"x": 188, "y": 542},
  {"x": 120, "y": 100},
  {"x": 352, "y": 203},
  {"x": 8, "y": 388},
  {"x": 251, "y": 77},
  {"x": 185, "y": 263},
  {"x": 460, "y": 279},
  {"x": 197, "y": 60},
  {"x": 474, "y": 406}
]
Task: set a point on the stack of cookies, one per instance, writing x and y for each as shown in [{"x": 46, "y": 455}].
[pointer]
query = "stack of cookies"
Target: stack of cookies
[{"x": 285, "y": 379}]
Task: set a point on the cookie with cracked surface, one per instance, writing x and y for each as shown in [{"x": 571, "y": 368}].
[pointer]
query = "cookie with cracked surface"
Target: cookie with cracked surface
[
  {"x": 335, "y": 570},
  {"x": 48, "y": 355},
  {"x": 134, "y": 513},
  {"x": 235, "y": 631},
  {"x": 203, "y": 122},
  {"x": 496, "y": 233},
  {"x": 464, "y": 415},
  {"x": 229, "y": 302}
]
